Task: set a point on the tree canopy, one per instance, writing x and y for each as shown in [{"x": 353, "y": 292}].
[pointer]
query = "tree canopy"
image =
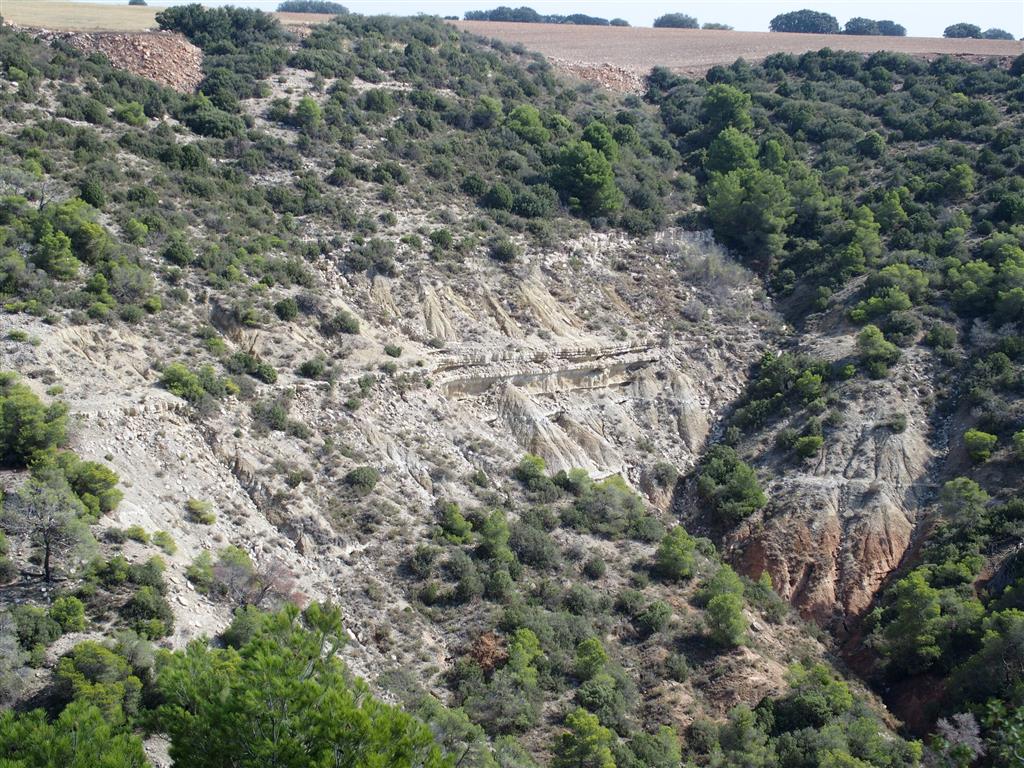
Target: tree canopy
[{"x": 814, "y": 22}]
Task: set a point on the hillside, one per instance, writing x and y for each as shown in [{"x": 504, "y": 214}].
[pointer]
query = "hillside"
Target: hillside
[{"x": 682, "y": 430}]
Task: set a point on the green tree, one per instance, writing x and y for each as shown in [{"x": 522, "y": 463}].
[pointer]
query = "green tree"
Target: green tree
[
  {"x": 285, "y": 699},
  {"x": 875, "y": 352},
  {"x": 82, "y": 737},
  {"x": 676, "y": 21},
  {"x": 586, "y": 743},
  {"x": 597, "y": 135},
  {"x": 524, "y": 120},
  {"x": 725, "y": 106},
  {"x": 731, "y": 150},
  {"x": 729, "y": 485},
  {"x": 962, "y": 30},
  {"x": 750, "y": 209},
  {"x": 584, "y": 178},
  {"x": 53, "y": 253},
  {"x": 47, "y": 513},
  {"x": 979, "y": 444},
  {"x": 813, "y": 22},
  {"x": 27, "y": 426},
  {"x": 726, "y": 622},
  {"x": 676, "y": 556},
  {"x": 591, "y": 658},
  {"x": 910, "y": 641}
]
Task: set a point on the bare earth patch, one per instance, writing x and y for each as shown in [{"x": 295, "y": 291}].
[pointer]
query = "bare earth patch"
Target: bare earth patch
[
  {"x": 79, "y": 17},
  {"x": 693, "y": 51}
]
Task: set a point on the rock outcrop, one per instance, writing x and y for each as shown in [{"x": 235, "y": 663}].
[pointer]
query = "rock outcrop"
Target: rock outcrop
[{"x": 166, "y": 58}]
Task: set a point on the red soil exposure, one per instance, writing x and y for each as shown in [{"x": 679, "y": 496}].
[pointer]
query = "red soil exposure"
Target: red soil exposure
[{"x": 583, "y": 49}]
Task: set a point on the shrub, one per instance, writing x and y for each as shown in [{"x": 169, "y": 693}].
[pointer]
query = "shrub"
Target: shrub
[
  {"x": 27, "y": 426},
  {"x": 69, "y": 612},
  {"x": 729, "y": 485},
  {"x": 200, "y": 512},
  {"x": 654, "y": 617},
  {"x": 178, "y": 251},
  {"x": 177, "y": 379},
  {"x": 342, "y": 322},
  {"x": 876, "y": 354},
  {"x": 1018, "y": 445},
  {"x": 594, "y": 567},
  {"x": 362, "y": 480},
  {"x": 726, "y": 622},
  {"x": 454, "y": 526},
  {"x": 502, "y": 249},
  {"x": 676, "y": 557},
  {"x": 165, "y": 541},
  {"x": 808, "y": 446},
  {"x": 979, "y": 444},
  {"x": 287, "y": 309},
  {"x": 150, "y": 613},
  {"x": 200, "y": 572}
]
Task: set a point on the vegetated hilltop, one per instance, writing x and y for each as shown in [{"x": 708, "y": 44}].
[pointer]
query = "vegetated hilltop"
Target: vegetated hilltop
[{"x": 396, "y": 318}]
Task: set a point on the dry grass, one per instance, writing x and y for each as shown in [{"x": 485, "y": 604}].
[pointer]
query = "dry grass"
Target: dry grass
[{"x": 79, "y": 17}]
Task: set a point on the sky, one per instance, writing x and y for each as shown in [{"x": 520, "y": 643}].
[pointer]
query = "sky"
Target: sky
[{"x": 924, "y": 18}]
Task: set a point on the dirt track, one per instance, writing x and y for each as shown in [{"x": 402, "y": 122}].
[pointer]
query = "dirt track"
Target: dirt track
[{"x": 639, "y": 49}]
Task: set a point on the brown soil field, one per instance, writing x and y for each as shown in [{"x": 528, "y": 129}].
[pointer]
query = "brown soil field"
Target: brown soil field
[
  {"x": 95, "y": 17},
  {"x": 78, "y": 17},
  {"x": 694, "y": 51}
]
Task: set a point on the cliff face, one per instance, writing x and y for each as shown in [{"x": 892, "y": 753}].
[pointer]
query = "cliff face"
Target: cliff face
[
  {"x": 568, "y": 355},
  {"x": 839, "y": 523}
]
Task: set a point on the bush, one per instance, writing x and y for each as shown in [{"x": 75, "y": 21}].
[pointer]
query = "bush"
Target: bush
[
  {"x": 27, "y": 426},
  {"x": 979, "y": 444},
  {"x": 676, "y": 557},
  {"x": 594, "y": 567},
  {"x": 729, "y": 486},
  {"x": 362, "y": 480},
  {"x": 69, "y": 613},
  {"x": 876, "y": 354},
  {"x": 502, "y": 249},
  {"x": 177, "y": 379},
  {"x": 654, "y": 617},
  {"x": 342, "y": 322},
  {"x": 150, "y": 613},
  {"x": 287, "y": 309},
  {"x": 808, "y": 446},
  {"x": 200, "y": 512},
  {"x": 178, "y": 251},
  {"x": 165, "y": 541}
]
